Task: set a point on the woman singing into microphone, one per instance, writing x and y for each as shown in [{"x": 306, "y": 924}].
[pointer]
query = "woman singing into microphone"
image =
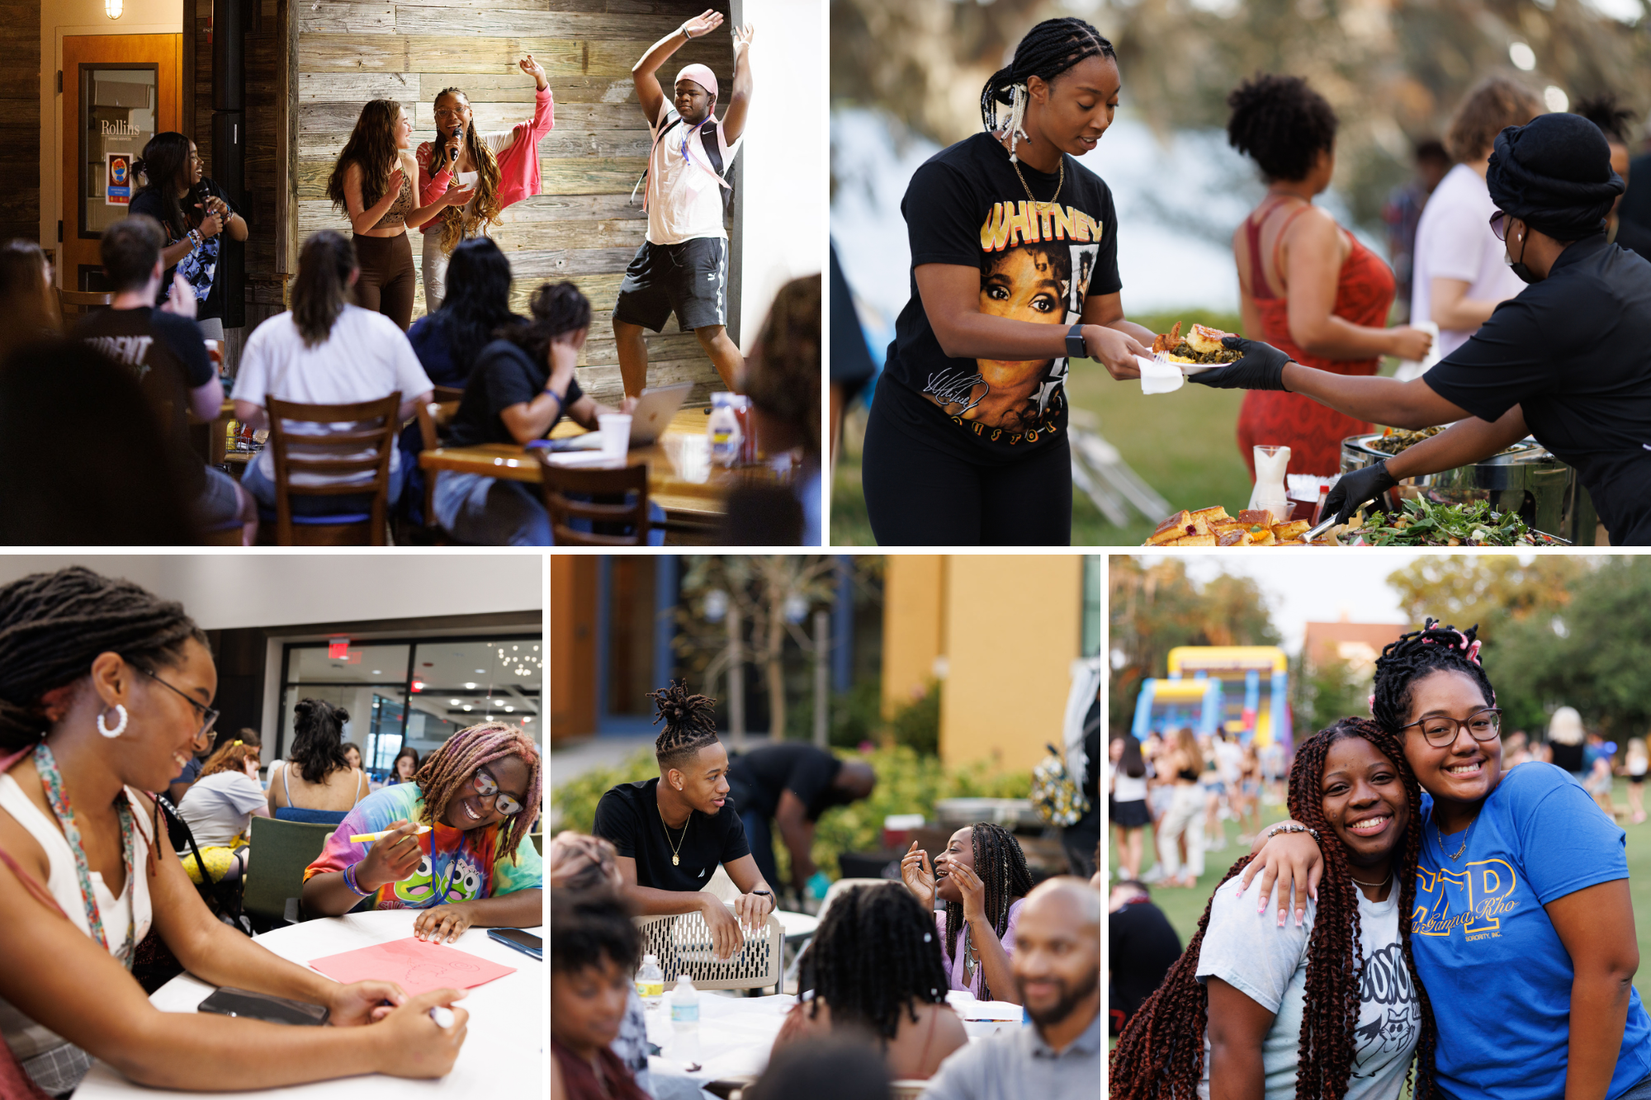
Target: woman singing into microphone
[{"x": 500, "y": 168}]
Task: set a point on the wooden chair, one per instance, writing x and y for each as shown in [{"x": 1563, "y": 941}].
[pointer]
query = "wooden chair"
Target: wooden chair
[
  {"x": 441, "y": 395},
  {"x": 682, "y": 944},
  {"x": 565, "y": 491},
  {"x": 433, "y": 419},
  {"x": 364, "y": 447},
  {"x": 71, "y": 302}
]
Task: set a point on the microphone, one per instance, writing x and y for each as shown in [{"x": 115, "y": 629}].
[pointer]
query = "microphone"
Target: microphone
[{"x": 458, "y": 132}]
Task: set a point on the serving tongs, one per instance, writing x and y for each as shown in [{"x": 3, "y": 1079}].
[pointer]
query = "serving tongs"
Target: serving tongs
[{"x": 1320, "y": 528}]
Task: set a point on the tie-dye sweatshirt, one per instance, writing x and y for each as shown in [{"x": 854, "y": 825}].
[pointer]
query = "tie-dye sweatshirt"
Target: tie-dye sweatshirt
[{"x": 458, "y": 865}]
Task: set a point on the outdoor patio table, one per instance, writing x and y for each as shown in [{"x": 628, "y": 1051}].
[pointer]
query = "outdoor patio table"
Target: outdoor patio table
[{"x": 504, "y": 1046}]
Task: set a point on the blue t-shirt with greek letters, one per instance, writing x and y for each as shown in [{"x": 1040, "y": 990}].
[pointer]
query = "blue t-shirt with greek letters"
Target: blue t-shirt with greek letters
[{"x": 1494, "y": 968}]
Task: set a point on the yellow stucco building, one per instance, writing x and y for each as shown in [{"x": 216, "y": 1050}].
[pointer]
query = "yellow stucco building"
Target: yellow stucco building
[{"x": 1000, "y": 633}]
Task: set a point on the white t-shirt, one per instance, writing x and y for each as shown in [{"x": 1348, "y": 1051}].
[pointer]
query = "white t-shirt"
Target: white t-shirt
[
  {"x": 219, "y": 807},
  {"x": 684, "y": 197},
  {"x": 1268, "y": 964},
  {"x": 1126, "y": 787},
  {"x": 365, "y": 358},
  {"x": 1454, "y": 241},
  {"x": 1229, "y": 760}
]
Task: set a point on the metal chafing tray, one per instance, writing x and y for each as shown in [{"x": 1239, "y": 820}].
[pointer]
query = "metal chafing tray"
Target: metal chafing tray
[{"x": 1525, "y": 479}]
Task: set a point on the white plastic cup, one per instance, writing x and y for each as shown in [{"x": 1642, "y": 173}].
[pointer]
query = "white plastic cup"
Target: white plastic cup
[{"x": 616, "y": 435}]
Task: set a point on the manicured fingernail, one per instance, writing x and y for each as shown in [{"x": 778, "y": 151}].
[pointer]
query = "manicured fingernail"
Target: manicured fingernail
[
  {"x": 1281, "y": 918},
  {"x": 1300, "y": 913}
]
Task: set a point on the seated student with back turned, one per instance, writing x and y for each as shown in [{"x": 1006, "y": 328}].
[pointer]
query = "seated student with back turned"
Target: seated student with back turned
[
  {"x": 672, "y": 832},
  {"x": 874, "y": 967},
  {"x": 1058, "y": 975},
  {"x": 104, "y": 691},
  {"x": 683, "y": 263},
  {"x": 316, "y": 783},
  {"x": 792, "y": 783},
  {"x": 166, "y": 353},
  {"x": 219, "y": 808},
  {"x": 472, "y": 867}
]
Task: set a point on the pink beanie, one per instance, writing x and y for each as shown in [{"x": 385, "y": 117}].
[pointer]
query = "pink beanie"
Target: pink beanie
[{"x": 701, "y": 75}]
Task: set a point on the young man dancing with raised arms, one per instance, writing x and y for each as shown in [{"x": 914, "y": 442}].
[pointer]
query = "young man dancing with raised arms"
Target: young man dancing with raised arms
[{"x": 683, "y": 264}]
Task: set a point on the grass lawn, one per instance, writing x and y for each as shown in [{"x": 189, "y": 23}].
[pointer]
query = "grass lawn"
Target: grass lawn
[
  {"x": 1184, "y": 907},
  {"x": 1183, "y": 444}
]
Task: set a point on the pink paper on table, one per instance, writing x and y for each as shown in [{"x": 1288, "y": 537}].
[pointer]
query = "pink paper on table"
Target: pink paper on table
[{"x": 416, "y": 965}]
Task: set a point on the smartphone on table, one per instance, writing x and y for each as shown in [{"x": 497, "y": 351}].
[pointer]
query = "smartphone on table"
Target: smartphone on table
[{"x": 525, "y": 942}]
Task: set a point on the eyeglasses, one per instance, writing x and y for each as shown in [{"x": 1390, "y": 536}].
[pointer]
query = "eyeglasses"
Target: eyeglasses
[
  {"x": 449, "y": 112},
  {"x": 503, "y": 803},
  {"x": 1499, "y": 225},
  {"x": 208, "y": 714},
  {"x": 1441, "y": 730}
]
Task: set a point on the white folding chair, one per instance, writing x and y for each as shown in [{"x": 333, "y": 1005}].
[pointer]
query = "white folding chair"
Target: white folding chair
[{"x": 682, "y": 943}]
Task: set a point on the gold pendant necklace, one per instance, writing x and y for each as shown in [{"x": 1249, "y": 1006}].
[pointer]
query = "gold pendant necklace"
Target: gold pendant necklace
[
  {"x": 1060, "y": 181},
  {"x": 675, "y": 860}
]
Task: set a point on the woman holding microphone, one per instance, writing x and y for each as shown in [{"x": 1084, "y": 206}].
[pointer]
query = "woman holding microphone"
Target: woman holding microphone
[{"x": 1568, "y": 360}]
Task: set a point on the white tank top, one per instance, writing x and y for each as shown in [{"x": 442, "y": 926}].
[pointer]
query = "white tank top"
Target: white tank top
[
  {"x": 1127, "y": 788},
  {"x": 27, "y": 1039}
]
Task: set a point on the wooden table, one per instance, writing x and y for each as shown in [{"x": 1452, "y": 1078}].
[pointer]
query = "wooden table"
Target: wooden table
[{"x": 687, "y": 504}]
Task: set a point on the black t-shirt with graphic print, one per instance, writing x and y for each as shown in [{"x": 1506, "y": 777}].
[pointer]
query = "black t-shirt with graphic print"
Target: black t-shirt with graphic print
[
  {"x": 628, "y": 815},
  {"x": 1038, "y": 262}
]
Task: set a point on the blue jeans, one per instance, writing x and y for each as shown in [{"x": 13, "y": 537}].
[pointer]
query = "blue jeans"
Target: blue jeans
[
  {"x": 491, "y": 511},
  {"x": 761, "y": 839},
  {"x": 263, "y": 491}
]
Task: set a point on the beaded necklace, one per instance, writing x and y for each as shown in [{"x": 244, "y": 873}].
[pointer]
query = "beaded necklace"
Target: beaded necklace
[{"x": 52, "y": 781}]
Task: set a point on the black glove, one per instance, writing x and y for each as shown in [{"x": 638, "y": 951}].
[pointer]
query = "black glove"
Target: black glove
[
  {"x": 1261, "y": 368},
  {"x": 1353, "y": 490}
]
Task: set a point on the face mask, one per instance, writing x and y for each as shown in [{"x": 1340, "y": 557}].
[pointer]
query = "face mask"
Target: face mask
[{"x": 1525, "y": 274}]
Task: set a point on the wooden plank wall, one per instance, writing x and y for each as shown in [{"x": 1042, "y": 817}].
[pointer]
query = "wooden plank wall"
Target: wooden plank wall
[
  {"x": 266, "y": 52},
  {"x": 20, "y": 120},
  {"x": 583, "y": 227}
]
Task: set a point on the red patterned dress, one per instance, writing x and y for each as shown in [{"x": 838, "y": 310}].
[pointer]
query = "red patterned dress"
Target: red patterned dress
[{"x": 1313, "y": 432}]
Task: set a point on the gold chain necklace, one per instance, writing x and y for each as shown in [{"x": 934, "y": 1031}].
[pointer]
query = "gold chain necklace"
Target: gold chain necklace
[
  {"x": 1466, "y": 835},
  {"x": 675, "y": 848},
  {"x": 1060, "y": 181}
]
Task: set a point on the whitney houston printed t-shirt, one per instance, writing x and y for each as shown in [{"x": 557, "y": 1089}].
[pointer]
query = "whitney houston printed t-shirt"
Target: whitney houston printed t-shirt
[{"x": 1038, "y": 262}]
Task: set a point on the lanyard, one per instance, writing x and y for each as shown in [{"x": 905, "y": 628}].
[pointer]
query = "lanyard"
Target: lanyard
[{"x": 52, "y": 780}]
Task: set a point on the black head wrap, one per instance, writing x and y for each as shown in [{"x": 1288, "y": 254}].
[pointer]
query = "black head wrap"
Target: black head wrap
[{"x": 1554, "y": 174}]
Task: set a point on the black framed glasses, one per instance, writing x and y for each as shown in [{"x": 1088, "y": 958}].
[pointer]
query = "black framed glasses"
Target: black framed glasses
[
  {"x": 209, "y": 715},
  {"x": 503, "y": 803},
  {"x": 1499, "y": 225},
  {"x": 1441, "y": 730}
]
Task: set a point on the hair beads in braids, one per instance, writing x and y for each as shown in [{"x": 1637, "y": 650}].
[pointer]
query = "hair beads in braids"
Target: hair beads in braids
[
  {"x": 690, "y": 723},
  {"x": 1048, "y": 50},
  {"x": 447, "y": 772},
  {"x": 1001, "y": 866},
  {"x": 1434, "y": 648},
  {"x": 875, "y": 956},
  {"x": 1161, "y": 1053},
  {"x": 53, "y": 625}
]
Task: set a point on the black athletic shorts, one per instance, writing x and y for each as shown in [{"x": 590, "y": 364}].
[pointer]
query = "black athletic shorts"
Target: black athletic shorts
[{"x": 691, "y": 278}]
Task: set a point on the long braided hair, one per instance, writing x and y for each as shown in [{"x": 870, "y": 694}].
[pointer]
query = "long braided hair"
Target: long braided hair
[
  {"x": 458, "y": 222},
  {"x": 53, "y": 625},
  {"x": 1160, "y": 1055},
  {"x": 1001, "y": 866},
  {"x": 446, "y": 773},
  {"x": 1048, "y": 50},
  {"x": 875, "y": 958},
  {"x": 1434, "y": 648},
  {"x": 690, "y": 723}
]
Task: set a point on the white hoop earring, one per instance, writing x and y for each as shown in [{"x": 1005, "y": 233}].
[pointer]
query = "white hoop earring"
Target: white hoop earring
[{"x": 118, "y": 730}]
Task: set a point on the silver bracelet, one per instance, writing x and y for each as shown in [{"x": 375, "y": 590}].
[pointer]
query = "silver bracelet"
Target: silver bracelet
[
  {"x": 1291, "y": 828},
  {"x": 683, "y": 30}
]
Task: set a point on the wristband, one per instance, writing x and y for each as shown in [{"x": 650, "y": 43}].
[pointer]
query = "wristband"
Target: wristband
[
  {"x": 1075, "y": 348},
  {"x": 560, "y": 404},
  {"x": 349, "y": 880},
  {"x": 772, "y": 904},
  {"x": 1290, "y": 828},
  {"x": 683, "y": 30}
]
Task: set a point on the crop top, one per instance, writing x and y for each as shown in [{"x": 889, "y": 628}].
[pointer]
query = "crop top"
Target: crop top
[{"x": 396, "y": 216}]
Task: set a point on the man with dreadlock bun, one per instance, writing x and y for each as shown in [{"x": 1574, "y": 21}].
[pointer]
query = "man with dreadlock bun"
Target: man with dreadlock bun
[
  {"x": 1330, "y": 1009},
  {"x": 455, "y": 842},
  {"x": 983, "y": 881},
  {"x": 1522, "y": 927},
  {"x": 672, "y": 832},
  {"x": 874, "y": 966},
  {"x": 105, "y": 691},
  {"x": 1014, "y": 251}
]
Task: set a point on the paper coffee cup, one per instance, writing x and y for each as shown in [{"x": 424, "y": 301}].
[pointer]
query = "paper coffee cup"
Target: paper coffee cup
[{"x": 616, "y": 434}]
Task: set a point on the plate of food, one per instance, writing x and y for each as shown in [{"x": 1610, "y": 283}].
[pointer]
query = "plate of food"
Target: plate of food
[
  {"x": 1200, "y": 349},
  {"x": 1214, "y": 527}
]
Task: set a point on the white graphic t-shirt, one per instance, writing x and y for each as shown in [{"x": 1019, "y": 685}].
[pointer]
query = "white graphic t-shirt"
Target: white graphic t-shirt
[{"x": 1268, "y": 964}]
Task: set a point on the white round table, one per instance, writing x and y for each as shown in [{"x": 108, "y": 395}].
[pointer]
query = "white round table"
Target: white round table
[{"x": 504, "y": 1046}]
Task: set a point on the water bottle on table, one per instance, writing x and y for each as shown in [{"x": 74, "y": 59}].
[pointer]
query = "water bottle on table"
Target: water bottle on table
[
  {"x": 650, "y": 982},
  {"x": 685, "y": 1021},
  {"x": 723, "y": 430}
]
